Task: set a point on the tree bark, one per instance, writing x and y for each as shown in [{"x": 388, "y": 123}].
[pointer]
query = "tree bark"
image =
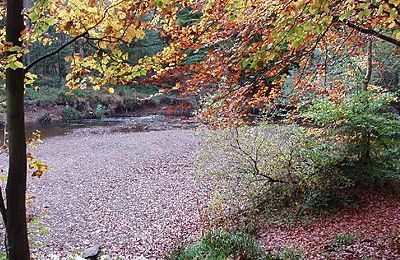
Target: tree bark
[
  {"x": 366, "y": 135},
  {"x": 367, "y": 78},
  {"x": 16, "y": 182}
]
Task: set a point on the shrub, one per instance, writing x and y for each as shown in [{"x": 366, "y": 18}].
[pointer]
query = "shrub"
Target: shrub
[
  {"x": 69, "y": 113},
  {"x": 221, "y": 245},
  {"x": 268, "y": 167},
  {"x": 246, "y": 164},
  {"x": 31, "y": 94},
  {"x": 44, "y": 119},
  {"x": 364, "y": 133}
]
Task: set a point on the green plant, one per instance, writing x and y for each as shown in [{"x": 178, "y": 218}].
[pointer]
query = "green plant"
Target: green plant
[
  {"x": 290, "y": 254},
  {"x": 31, "y": 94},
  {"x": 344, "y": 239},
  {"x": 269, "y": 168},
  {"x": 100, "y": 110},
  {"x": 340, "y": 240},
  {"x": 221, "y": 245},
  {"x": 69, "y": 113},
  {"x": 363, "y": 135},
  {"x": 36, "y": 229}
]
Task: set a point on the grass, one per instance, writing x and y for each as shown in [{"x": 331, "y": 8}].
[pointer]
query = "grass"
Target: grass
[{"x": 221, "y": 245}]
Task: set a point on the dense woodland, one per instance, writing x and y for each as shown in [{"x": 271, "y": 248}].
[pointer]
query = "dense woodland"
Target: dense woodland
[{"x": 297, "y": 105}]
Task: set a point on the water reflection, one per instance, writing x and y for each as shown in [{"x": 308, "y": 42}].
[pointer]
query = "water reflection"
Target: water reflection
[{"x": 107, "y": 125}]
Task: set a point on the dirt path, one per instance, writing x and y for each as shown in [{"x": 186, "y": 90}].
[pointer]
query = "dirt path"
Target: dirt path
[{"x": 131, "y": 193}]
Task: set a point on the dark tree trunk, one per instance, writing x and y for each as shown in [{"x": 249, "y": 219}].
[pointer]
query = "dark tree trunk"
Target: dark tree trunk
[{"x": 16, "y": 182}]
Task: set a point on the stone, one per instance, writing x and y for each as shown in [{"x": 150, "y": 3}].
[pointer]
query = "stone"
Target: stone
[{"x": 92, "y": 252}]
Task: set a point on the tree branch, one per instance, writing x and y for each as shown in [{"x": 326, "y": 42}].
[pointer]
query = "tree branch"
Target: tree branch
[
  {"x": 33, "y": 63},
  {"x": 372, "y": 33},
  {"x": 86, "y": 32},
  {"x": 254, "y": 161}
]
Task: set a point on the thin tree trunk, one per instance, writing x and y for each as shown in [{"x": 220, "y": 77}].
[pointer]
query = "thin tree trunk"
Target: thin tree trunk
[
  {"x": 366, "y": 135},
  {"x": 28, "y": 25},
  {"x": 367, "y": 78},
  {"x": 16, "y": 182}
]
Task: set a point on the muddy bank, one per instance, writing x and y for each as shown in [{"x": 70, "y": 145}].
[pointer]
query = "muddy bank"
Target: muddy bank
[{"x": 109, "y": 106}]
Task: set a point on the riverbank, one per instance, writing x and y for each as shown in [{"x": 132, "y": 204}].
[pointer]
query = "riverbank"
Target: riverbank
[{"x": 54, "y": 103}]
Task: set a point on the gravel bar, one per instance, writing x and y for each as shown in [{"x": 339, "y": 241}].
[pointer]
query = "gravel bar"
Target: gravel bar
[{"x": 133, "y": 194}]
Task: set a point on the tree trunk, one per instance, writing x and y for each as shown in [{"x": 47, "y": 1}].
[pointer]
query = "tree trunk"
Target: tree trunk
[
  {"x": 28, "y": 25},
  {"x": 366, "y": 135},
  {"x": 16, "y": 182},
  {"x": 367, "y": 78}
]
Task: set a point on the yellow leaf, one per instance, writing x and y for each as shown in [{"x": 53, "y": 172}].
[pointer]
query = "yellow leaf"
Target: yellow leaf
[
  {"x": 102, "y": 44},
  {"x": 110, "y": 91},
  {"x": 18, "y": 64}
]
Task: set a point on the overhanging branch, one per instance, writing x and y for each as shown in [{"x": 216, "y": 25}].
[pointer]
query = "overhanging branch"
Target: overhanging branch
[
  {"x": 33, "y": 63},
  {"x": 85, "y": 33},
  {"x": 372, "y": 33}
]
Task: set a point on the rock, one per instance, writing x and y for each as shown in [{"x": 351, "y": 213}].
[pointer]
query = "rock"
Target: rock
[
  {"x": 91, "y": 252},
  {"x": 45, "y": 119}
]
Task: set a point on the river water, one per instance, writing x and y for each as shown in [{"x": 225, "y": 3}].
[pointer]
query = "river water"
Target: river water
[{"x": 107, "y": 125}]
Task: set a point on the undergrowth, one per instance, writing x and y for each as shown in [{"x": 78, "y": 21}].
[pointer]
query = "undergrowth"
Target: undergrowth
[{"x": 222, "y": 245}]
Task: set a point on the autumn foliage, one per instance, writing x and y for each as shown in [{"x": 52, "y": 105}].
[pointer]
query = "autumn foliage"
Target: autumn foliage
[{"x": 237, "y": 55}]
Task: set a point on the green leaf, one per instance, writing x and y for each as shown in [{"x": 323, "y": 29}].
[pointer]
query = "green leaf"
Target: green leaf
[{"x": 398, "y": 36}]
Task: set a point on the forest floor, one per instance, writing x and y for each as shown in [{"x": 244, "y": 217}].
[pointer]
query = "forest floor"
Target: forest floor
[{"x": 370, "y": 231}]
